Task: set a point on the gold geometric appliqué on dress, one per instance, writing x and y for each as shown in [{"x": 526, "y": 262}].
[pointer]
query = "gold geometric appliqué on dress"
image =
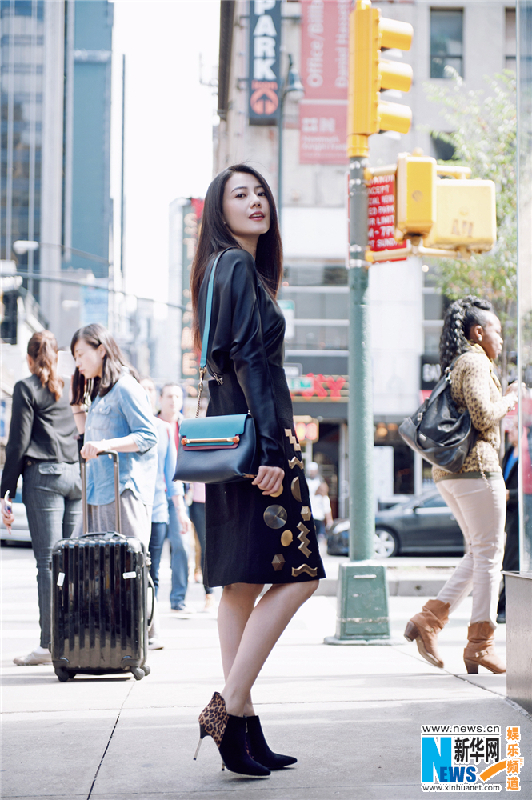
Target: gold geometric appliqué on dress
[
  {"x": 293, "y": 440},
  {"x": 275, "y": 517},
  {"x": 277, "y": 493},
  {"x": 286, "y": 538},
  {"x": 312, "y": 571},
  {"x": 278, "y": 562},
  {"x": 296, "y": 491},
  {"x": 306, "y": 513},
  {"x": 305, "y": 541},
  {"x": 295, "y": 462}
]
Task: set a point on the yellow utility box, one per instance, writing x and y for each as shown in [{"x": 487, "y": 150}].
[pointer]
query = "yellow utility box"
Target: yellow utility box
[
  {"x": 466, "y": 215},
  {"x": 415, "y": 192}
]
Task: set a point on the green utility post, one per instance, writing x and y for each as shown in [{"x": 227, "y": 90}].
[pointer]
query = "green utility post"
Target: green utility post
[{"x": 362, "y": 616}]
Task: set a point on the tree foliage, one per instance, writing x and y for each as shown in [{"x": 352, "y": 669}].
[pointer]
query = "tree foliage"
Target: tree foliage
[{"x": 484, "y": 137}]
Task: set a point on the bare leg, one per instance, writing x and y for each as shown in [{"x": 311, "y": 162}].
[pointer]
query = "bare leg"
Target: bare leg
[
  {"x": 266, "y": 622},
  {"x": 236, "y": 605}
]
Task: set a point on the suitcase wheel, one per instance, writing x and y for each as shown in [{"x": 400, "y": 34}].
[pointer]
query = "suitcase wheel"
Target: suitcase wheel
[
  {"x": 146, "y": 669},
  {"x": 64, "y": 674},
  {"x": 138, "y": 673}
]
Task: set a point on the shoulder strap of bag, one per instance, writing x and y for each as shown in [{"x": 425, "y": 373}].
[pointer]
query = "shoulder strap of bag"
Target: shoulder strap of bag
[
  {"x": 207, "y": 327},
  {"x": 208, "y": 312}
]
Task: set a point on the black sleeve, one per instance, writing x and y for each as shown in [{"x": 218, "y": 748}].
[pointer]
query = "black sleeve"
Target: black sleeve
[
  {"x": 20, "y": 430},
  {"x": 238, "y": 334}
]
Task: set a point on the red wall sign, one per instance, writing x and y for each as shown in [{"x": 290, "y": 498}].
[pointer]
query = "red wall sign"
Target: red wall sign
[
  {"x": 381, "y": 215},
  {"x": 325, "y": 76},
  {"x": 324, "y": 388}
]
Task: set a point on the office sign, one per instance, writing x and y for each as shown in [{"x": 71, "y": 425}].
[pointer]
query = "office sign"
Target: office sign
[
  {"x": 264, "y": 61},
  {"x": 325, "y": 76}
]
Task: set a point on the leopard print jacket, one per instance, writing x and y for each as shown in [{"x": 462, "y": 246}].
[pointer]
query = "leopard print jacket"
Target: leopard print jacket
[{"x": 475, "y": 386}]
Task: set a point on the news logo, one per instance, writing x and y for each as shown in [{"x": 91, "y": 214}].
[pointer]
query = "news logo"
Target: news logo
[{"x": 464, "y": 758}]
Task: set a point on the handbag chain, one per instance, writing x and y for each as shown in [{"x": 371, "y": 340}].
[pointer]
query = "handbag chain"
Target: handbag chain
[{"x": 202, "y": 372}]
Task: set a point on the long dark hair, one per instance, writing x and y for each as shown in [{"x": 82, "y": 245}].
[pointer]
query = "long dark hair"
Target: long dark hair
[
  {"x": 215, "y": 236},
  {"x": 42, "y": 348},
  {"x": 461, "y": 316},
  {"x": 113, "y": 366}
]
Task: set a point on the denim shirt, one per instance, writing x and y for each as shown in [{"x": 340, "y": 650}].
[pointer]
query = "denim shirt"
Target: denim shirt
[
  {"x": 124, "y": 410},
  {"x": 165, "y": 488}
]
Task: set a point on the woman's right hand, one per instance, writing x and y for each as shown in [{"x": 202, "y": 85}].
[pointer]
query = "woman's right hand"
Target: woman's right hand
[
  {"x": 8, "y": 517},
  {"x": 269, "y": 479}
]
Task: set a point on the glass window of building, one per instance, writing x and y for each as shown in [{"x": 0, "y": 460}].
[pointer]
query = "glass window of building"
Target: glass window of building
[
  {"x": 22, "y": 47},
  {"x": 320, "y": 300},
  {"x": 510, "y": 42},
  {"x": 524, "y": 88},
  {"x": 446, "y": 41}
]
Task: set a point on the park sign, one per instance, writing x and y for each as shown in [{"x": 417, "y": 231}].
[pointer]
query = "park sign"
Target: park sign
[{"x": 264, "y": 67}]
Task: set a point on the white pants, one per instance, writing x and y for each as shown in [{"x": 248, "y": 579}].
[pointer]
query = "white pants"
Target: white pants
[{"x": 479, "y": 505}]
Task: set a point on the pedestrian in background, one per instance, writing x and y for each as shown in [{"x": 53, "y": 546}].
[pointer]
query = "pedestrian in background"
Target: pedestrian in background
[
  {"x": 257, "y": 532},
  {"x": 197, "y": 517},
  {"x": 43, "y": 448},
  {"x": 470, "y": 342},
  {"x": 510, "y": 462},
  {"x": 119, "y": 418},
  {"x": 171, "y": 403},
  {"x": 166, "y": 491},
  {"x": 320, "y": 503}
]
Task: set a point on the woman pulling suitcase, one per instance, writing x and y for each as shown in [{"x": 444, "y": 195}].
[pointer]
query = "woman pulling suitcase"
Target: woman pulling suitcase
[{"x": 119, "y": 418}]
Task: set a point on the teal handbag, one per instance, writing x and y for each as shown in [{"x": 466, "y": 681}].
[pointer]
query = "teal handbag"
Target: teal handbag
[{"x": 215, "y": 449}]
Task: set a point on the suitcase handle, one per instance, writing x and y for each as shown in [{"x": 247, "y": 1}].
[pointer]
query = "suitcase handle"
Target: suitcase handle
[
  {"x": 85, "y": 513},
  {"x": 151, "y": 586}
]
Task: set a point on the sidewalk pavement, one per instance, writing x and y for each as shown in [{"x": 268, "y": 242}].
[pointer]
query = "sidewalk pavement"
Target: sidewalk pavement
[{"x": 352, "y": 715}]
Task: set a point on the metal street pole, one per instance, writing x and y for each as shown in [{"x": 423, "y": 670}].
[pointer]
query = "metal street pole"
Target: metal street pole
[
  {"x": 280, "y": 124},
  {"x": 362, "y": 616},
  {"x": 360, "y": 417}
]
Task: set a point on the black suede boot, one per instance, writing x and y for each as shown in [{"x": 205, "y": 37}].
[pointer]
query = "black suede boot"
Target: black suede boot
[
  {"x": 259, "y": 750},
  {"x": 229, "y": 733}
]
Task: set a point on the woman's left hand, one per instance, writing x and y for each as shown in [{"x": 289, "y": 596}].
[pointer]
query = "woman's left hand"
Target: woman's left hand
[
  {"x": 269, "y": 479},
  {"x": 92, "y": 449}
]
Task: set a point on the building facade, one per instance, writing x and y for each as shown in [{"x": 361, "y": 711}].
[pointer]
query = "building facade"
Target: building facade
[
  {"x": 55, "y": 171},
  {"x": 524, "y": 127},
  {"x": 256, "y": 54}
]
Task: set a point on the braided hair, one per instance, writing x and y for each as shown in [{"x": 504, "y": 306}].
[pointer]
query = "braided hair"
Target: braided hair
[{"x": 461, "y": 316}]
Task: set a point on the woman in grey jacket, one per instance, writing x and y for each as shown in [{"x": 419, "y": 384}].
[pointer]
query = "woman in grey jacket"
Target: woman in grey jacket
[{"x": 43, "y": 448}]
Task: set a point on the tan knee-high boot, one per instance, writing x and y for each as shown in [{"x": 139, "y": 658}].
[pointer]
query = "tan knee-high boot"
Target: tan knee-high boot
[
  {"x": 480, "y": 650},
  {"x": 424, "y": 628}
]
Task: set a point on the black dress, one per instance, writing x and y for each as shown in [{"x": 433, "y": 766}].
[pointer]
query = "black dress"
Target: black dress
[{"x": 251, "y": 537}]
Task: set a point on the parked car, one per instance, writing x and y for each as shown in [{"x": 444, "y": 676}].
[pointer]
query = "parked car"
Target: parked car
[
  {"x": 423, "y": 524},
  {"x": 20, "y": 531}
]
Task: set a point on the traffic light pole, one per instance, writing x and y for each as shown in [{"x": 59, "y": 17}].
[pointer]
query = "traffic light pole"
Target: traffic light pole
[
  {"x": 360, "y": 413},
  {"x": 362, "y": 616}
]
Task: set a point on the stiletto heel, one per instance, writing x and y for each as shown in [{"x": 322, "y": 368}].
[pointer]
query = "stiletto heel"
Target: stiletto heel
[
  {"x": 471, "y": 667},
  {"x": 202, "y": 734},
  {"x": 229, "y": 734}
]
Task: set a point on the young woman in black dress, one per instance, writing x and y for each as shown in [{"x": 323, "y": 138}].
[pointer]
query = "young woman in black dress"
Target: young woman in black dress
[{"x": 257, "y": 532}]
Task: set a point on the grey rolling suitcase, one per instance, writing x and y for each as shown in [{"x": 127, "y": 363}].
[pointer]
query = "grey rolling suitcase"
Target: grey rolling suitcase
[{"x": 99, "y": 599}]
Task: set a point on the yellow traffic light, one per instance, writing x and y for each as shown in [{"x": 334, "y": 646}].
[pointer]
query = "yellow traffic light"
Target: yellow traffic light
[
  {"x": 415, "y": 195},
  {"x": 369, "y": 74},
  {"x": 466, "y": 216}
]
